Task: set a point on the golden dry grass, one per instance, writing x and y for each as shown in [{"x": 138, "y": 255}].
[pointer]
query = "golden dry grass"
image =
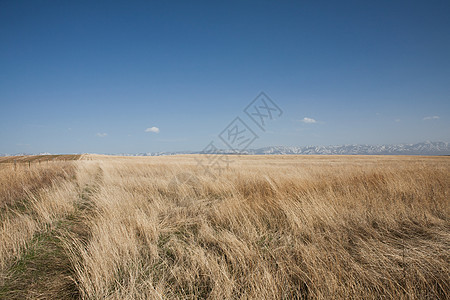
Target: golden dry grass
[{"x": 269, "y": 227}]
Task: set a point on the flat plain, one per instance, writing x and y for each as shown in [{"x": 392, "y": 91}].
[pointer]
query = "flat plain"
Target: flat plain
[{"x": 265, "y": 227}]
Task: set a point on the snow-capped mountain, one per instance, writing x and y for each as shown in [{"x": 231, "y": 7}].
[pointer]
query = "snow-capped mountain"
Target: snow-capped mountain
[{"x": 426, "y": 148}]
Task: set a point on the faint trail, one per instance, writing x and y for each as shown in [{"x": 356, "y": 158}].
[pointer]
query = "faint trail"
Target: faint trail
[
  {"x": 89, "y": 181},
  {"x": 46, "y": 267}
]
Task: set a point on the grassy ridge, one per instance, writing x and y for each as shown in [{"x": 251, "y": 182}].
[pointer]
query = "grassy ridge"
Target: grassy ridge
[{"x": 38, "y": 158}]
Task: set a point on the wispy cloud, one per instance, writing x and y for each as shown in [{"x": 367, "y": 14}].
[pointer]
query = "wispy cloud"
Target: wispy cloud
[
  {"x": 431, "y": 118},
  {"x": 152, "y": 129},
  {"x": 101, "y": 134},
  {"x": 308, "y": 120}
]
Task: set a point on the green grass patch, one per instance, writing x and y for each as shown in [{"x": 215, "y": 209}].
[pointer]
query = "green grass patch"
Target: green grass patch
[{"x": 43, "y": 271}]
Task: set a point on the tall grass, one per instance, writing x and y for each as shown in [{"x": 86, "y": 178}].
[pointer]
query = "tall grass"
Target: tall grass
[
  {"x": 31, "y": 199},
  {"x": 269, "y": 227}
]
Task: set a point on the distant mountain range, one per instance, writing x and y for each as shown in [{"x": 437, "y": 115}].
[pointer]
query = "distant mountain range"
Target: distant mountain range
[{"x": 425, "y": 148}]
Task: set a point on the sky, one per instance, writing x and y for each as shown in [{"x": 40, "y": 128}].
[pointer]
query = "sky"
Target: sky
[{"x": 149, "y": 76}]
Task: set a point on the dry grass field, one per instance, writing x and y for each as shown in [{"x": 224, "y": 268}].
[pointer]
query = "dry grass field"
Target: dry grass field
[{"x": 269, "y": 227}]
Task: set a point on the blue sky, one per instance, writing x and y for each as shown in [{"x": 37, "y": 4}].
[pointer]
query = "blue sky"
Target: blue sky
[{"x": 85, "y": 77}]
